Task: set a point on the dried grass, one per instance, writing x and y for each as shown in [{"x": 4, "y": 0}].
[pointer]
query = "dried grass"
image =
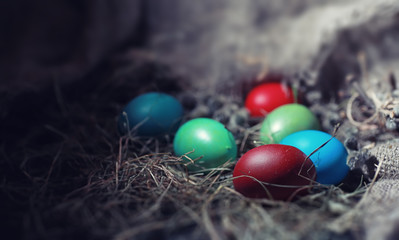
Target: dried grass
[{"x": 75, "y": 177}]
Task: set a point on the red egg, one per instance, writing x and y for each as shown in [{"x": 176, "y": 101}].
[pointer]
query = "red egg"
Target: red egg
[
  {"x": 273, "y": 171},
  {"x": 268, "y": 96}
]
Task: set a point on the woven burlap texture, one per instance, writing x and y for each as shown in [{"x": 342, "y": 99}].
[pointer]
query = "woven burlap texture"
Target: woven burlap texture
[{"x": 376, "y": 216}]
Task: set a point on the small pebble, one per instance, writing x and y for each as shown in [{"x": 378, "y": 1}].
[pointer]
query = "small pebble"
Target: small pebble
[
  {"x": 215, "y": 104},
  {"x": 200, "y": 111},
  {"x": 314, "y": 96},
  {"x": 351, "y": 143},
  {"x": 189, "y": 102},
  {"x": 390, "y": 124},
  {"x": 395, "y": 93},
  {"x": 396, "y": 110}
]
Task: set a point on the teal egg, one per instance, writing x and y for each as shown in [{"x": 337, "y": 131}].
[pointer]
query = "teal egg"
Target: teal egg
[
  {"x": 286, "y": 120},
  {"x": 330, "y": 160},
  {"x": 151, "y": 114},
  {"x": 207, "y": 142}
]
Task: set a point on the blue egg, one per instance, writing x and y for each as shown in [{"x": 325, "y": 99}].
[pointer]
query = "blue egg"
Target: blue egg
[
  {"x": 151, "y": 114},
  {"x": 330, "y": 160}
]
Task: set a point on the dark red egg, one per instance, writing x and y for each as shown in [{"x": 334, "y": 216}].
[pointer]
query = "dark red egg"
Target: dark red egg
[
  {"x": 273, "y": 171},
  {"x": 268, "y": 96}
]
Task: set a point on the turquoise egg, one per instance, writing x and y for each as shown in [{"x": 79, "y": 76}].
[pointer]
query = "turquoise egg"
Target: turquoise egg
[
  {"x": 330, "y": 160},
  {"x": 207, "y": 142},
  {"x": 151, "y": 114}
]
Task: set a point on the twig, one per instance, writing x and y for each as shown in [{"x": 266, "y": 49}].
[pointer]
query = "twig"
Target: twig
[
  {"x": 377, "y": 172},
  {"x": 146, "y": 227},
  {"x": 206, "y": 218},
  {"x": 364, "y": 96}
]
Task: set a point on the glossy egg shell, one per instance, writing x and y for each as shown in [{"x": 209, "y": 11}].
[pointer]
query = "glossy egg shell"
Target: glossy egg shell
[
  {"x": 330, "y": 160},
  {"x": 280, "y": 165},
  {"x": 266, "y": 97},
  {"x": 286, "y": 120},
  {"x": 151, "y": 114},
  {"x": 212, "y": 143}
]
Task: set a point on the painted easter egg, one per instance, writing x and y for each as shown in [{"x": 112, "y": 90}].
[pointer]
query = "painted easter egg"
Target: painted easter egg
[
  {"x": 208, "y": 143},
  {"x": 151, "y": 114},
  {"x": 273, "y": 171},
  {"x": 330, "y": 160},
  {"x": 286, "y": 120},
  {"x": 268, "y": 96}
]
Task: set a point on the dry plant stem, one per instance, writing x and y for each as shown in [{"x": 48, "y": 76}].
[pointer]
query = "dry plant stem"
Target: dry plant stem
[
  {"x": 244, "y": 140},
  {"x": 206, "y": 218},
  {"x": 362, "y": 60},
  {"x": 212, "y": 182},
  {"x": 147, "y": 227},
  {"x": 51, "y": 169},
  {"x": 295, "y": 193},
  {"x": 350, "y": 116},
  {"x": 56, "y": 131},
  {"x": 392, "y": 80},
  {"x": 262, "y": 62},
  {"x": 377, "y": 172},
  {"x": 59, "y": 98},
  {"x": 384, "y": 108},
  {"x": 363, "y": 94},
  {"x": 156, "y": 205}
]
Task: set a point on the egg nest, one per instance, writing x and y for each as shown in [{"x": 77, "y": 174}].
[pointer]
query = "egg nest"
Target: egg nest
[{"x": 67, "y": 173}]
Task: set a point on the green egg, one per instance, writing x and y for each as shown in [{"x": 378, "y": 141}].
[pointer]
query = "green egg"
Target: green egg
[
  {"x": 205, "y": 141},
  {"x": 285, "y": 120}
]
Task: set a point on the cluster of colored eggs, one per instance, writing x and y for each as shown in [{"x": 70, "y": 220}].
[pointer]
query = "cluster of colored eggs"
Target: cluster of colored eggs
[
  {"x": 285, "y": 169},
  {"x": 203, "y": 143},
  {"x": 279, "y": 169},
  {"x": 294, "y": 153}
]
